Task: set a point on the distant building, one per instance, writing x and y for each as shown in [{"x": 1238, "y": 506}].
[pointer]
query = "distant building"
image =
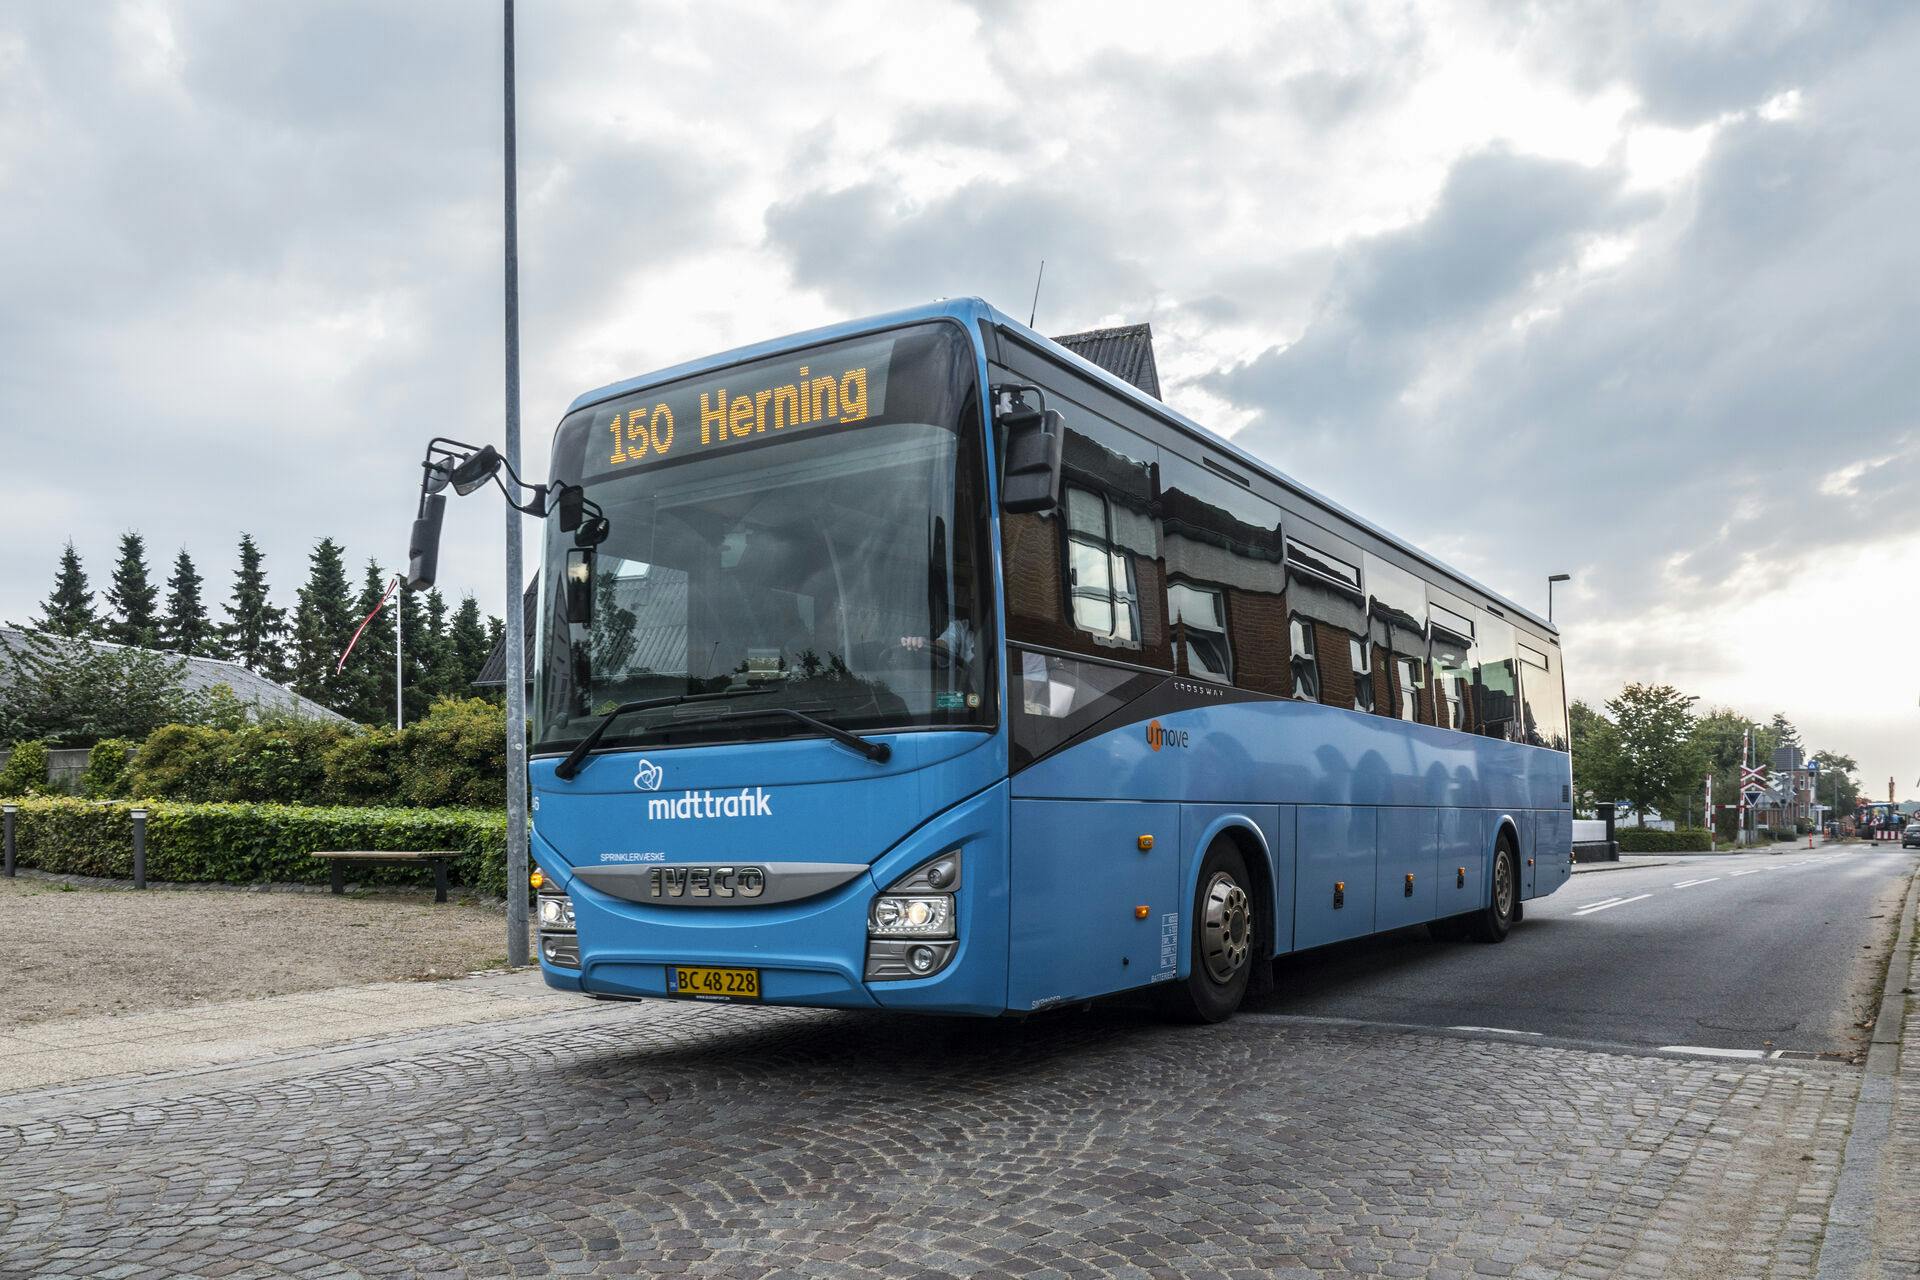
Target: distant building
[{"x": 251, "y": 689}]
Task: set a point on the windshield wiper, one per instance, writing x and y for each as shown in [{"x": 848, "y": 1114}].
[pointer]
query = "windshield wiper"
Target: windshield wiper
[
  {"x": 567, "y": 768},
  {"x": 878, "y": 752}
]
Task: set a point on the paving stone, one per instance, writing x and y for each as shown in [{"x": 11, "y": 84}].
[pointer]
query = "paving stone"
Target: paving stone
[{"x": 671, "y": 1139}]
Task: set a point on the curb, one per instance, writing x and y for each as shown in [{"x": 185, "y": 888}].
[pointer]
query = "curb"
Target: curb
[
  {"x": 1595, "y": 868},
  {"x": 1846, "y": 1250}
]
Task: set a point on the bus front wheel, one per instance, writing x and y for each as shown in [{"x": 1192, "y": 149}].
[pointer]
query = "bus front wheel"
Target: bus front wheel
[
  {"x": 1221, "y": 955},
  {"x": 1495, "y": 921}
]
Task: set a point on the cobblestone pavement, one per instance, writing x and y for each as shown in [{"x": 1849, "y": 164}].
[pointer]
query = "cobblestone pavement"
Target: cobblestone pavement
[{"x": 715, "y": 1141}]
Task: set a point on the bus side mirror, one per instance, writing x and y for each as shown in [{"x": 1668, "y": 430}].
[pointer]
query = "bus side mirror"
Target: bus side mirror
[
  {"x": 572, "y": 506},
  {"x": 1030, "y": 478},
  {"x": 579, "y": 586},
  {"x": 423, "y": 544}
]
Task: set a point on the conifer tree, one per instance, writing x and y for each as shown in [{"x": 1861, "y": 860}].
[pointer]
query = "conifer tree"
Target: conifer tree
[
  {"x": 69, "y": 610},
  {"x": 369, "y": 671},
  {"x": 443, "y": 678},
  {"x": 323, "y": 622},
  {"x": 415, "y": 686},
  {"x": 254, "y": 634},
  {"x": 185, "y": 628},
  {"x": 468, "y": 640},
  {"x": 134, "y": 599}
]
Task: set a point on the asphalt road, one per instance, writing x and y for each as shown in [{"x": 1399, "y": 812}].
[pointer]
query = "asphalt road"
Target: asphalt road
[{"x": 1761, "y": 953}]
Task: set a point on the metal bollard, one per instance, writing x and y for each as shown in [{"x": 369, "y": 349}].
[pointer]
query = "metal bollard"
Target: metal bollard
[
  {"x": 139, "y": 848},
  {"x": 9, "y": 810}
]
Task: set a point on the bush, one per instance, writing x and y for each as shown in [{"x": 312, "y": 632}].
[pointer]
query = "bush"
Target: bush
[
  {"x": 455, "y": 755},
  {"x": 362, "y": 767},
  {"x": 109, "y": 773},
  {"x": 1679, "y": 840},
  {"x": 179, "y": 762},
  {"x": 26, "y": 771},
  {"x": 279, "y": 761},
  {"x": 256, "y": 843}
]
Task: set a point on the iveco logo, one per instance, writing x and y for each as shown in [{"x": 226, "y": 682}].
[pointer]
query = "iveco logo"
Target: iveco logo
[
  {"x": 706, "y": 882},
  {"x": 648, "y": 776}
]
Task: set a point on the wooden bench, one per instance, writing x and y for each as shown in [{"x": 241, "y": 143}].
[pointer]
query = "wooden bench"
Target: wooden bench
[{"x": 337, "y": 873}]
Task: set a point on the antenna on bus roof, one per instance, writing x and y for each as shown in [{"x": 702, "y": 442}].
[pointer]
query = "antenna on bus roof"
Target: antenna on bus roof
[{"x": 1036, "y": 293}]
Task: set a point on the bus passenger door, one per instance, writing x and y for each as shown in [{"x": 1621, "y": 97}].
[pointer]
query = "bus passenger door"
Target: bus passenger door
[{"x": 1080, "y": 879}]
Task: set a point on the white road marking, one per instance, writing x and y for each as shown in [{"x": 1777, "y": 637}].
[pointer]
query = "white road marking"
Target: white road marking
[
  {"x": 1749, "y": 871},
  {"x": 1711, "y": 1052},
  {"x": 1688, "y": 884},
  {"x": 1616, "y": 902},
  {"x": 1499, "y": 1031}
]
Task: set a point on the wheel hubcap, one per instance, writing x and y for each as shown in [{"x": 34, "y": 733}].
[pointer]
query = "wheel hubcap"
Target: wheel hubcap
[
  {"x": 1503, "y": 886},
  {"x": 1226, "y": 926}
]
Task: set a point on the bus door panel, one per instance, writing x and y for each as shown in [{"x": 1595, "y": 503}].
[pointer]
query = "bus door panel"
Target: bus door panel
[
  {"x": 1461, "y": 883},
  {"x": 1336, "y": 858},
  {"x": 1524, "y": 824},
  {"x": 1200, "y": 823},
  {"x": 1079, "y": 880},
  {"x": 1552, "y": 849},
  {"x": 1409, "y": 852}
]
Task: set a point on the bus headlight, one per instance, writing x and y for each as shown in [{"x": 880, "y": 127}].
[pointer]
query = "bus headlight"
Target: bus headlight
[
  {"x": 915, "y": 917},
  {"x": 556, "y": 912}
]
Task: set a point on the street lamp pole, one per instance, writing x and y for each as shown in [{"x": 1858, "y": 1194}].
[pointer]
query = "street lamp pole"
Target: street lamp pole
[
  {"x": 516, "y": 612},
  {"x": 1551, "y": 579}
]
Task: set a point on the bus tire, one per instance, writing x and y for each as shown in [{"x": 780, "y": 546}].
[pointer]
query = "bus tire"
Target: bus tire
[
  {"x": 1493, "y": 922},
  {"x": 1222, "y": 951}
]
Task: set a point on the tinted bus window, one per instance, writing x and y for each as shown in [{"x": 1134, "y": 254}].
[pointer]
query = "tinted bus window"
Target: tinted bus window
[
  {"x": 1451, "y": 652},
  {"x": 1226, "y": 568},
  {"x": 1087, "y": 576},
  {"x": 1323, "y": 589},
  {"x": 1397, "y": 626},
  {"x": 1542, "y": 698},
  {"x": 1496, "y": 687}
]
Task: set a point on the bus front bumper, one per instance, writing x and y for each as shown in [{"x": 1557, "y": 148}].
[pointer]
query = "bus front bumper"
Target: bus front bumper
[{"x": 810, "y": 953}]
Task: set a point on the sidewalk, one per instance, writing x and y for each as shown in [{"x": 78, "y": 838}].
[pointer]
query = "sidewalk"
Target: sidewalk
[
  {"x": 70, "y": 1050},
  {"x": 1873, "y": 1225}
]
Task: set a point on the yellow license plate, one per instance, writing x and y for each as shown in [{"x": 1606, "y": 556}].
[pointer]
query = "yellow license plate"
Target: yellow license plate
[{"x": 740, "y": 984}]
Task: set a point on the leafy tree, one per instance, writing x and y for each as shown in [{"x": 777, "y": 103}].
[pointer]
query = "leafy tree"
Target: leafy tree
[
  {"x": 69, "y": 609},
  {"x": 1658, "y": 758},
  {"x": 25, "y": 773},
  {"x": 73, "y": 693},
  {"x": 1839, "y": 784},
  {"x": 1596, "y": 755},
  {"x": 185, "y": 628},
  {"x": 323, "y": 622},
  {"x": 469, "y": 641},
  {"x": 369, "y": 671},
  {"x": 254, "y": 634},
  {"x": 134, "y": 599}
]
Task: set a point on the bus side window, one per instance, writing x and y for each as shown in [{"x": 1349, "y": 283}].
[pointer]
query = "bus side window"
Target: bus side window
[
  {"x": 1323, "y": 590},
  {"x": 1397, "y": 627},
  {"x": 1542, "y": 702},
  {"x": 1087, "y": 577},
  {"x": 1452, "y": 657},
  {"x": 1496, "y": 688},
  {"x": 1226, "y": 562}
]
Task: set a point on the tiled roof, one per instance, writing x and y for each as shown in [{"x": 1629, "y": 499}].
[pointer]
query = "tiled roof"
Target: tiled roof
[
  {"x": 201, "y": 674},
  {"x": 1125, "y": 352}
]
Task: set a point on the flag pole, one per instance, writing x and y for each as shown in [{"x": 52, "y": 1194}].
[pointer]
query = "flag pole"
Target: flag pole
[{"x": 516, "y": 613}]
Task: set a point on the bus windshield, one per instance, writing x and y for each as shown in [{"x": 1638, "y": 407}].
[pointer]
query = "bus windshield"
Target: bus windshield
[{"x": 810, "y": 527}]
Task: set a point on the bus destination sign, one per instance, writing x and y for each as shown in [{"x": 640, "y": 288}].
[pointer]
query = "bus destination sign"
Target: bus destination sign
[{"x": 822, "y": 387}]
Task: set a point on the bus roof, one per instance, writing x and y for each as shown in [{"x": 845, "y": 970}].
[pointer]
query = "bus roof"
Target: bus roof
[{"x": 971, "y": 311}]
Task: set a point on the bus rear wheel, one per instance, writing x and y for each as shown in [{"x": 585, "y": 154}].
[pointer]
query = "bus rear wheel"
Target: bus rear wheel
[
  {"x": 1495, "y": 920},
  {"x": 1222, "y": 953}
]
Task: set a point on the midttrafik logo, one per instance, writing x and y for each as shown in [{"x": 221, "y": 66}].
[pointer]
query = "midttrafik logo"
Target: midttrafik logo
[
  {"x": 648, "y": 776},
  {"x": 748, "y": 802}
]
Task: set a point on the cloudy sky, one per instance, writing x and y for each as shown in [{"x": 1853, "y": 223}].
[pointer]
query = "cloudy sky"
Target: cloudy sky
[{"x": 1626, "y": 291}]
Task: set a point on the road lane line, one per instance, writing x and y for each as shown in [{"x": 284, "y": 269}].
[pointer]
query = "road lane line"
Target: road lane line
[
  {"x": 1688, "y": 884},
  {"x": 1617, "y": 902},
  {"x": 1499, "y": 1031},
  {"x": 1748, "y": 872}
]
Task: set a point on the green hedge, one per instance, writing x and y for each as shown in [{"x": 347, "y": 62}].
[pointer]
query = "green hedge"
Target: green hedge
[
  {"x": 256, "y": 843},
  {"x": 1680, "y": 840}
]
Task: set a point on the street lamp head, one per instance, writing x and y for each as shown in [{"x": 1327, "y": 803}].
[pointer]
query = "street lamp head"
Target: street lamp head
[{"x": 1559, "y": 577}]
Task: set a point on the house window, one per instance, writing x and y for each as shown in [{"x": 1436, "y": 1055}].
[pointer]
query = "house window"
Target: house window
[
  {"x": 1100, "y": 577},
  {"x": 1361, "y": 653},
  {"x": 1305, "y": 659},
  {"x": 1200, "y": 617},
  {"x": 1408, "y": 673}
]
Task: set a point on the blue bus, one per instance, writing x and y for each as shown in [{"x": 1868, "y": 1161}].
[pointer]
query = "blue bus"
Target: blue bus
[{"x": 917, "y": 663}]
